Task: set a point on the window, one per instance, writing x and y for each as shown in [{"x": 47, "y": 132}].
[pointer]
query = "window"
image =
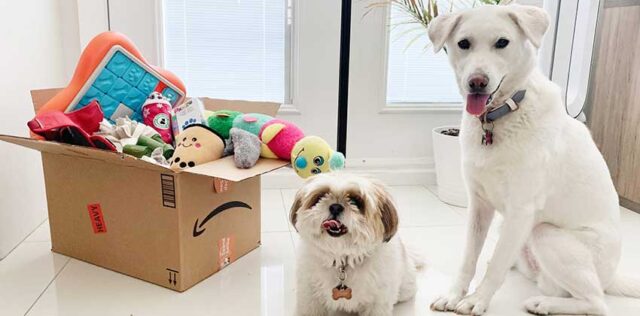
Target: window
[
  {"x": 230, "y": 49},
  {"x": 414, "y": 73}
]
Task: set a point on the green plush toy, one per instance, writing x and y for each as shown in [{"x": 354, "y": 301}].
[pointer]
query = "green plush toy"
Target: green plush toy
[
  {"x": 146, "y": 145},
  {"x": 251, "y": 122},
  {"x": 222, "y": 122}
]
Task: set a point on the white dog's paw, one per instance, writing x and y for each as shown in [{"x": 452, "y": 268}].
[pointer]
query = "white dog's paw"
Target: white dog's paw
[
  {"x": 474, "y": 304},
  {"x": 549, "y": 305},
  {"x": 536, "y": 305},
  {"x": 447, "y": 303}
]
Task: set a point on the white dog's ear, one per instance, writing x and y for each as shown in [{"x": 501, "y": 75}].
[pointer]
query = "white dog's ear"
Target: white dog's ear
[
  {"x": 533, "y": 22},
  {"x": 297, "y": 204},
  {"x": 388, "y": 212},
  {"x": 440, "y": 29}
]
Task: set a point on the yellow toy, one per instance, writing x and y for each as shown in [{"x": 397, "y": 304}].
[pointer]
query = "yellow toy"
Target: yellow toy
[
  {"x": 196, "y": 145},
  {"x": 312, "y": 155}
]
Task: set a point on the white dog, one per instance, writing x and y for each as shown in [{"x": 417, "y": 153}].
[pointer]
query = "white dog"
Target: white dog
[
  {"x": 532, "y": 163},
  {"x": 348, "y": 258}
]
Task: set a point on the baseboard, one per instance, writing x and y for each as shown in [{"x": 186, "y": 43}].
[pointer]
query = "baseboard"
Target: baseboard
[
  {"x": 631, "y": 205},
  {"x": 418, "y": 171}
]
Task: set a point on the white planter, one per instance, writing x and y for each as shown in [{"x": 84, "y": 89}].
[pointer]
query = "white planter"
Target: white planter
[{"x": 446, "y": 152}]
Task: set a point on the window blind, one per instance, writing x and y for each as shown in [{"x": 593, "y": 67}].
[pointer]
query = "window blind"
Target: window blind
[
  {"x": 230, "y": 49},
  {"x": 414, "y": 73}
]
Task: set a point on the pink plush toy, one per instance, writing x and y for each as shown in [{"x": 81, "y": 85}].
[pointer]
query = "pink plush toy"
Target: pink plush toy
[
  {"x": 278, "y": 139},
  {"x": 156, "y": 112}
]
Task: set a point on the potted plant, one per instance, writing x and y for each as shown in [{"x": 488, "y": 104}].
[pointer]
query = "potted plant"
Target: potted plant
[
  {"x": 446, "y": 145},
  {"x": 447, "y": 159}
]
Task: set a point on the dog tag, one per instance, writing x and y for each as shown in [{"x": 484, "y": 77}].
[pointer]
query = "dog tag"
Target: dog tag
[
  {"x": 487, "y": 133},
  {"x": 341, "y": 291},
  {"x": 487, "y": 137}
]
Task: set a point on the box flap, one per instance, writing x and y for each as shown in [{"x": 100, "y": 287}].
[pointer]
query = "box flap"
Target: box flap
[
  {"x": 82, "y": 152},
  {"x": 225, "y": 168},
  {"x": 40, "y": 97},
  {"x": 268, "y": 108}
]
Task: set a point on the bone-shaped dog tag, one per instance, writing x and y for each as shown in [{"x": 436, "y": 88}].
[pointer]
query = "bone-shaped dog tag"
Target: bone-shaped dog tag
[{"x": 341, "y": 291}]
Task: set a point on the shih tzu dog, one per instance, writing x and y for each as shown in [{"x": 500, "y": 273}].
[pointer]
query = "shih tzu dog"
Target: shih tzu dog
[{"x": 348, "y": 258}]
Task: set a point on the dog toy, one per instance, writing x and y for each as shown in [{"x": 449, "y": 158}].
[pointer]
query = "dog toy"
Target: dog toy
[
  {"x": 313, "y": 155},
  {"x": 125, "y": 132},
  {"x": 75, "y": 128},
  {"x": 156, "y": 113},
  {"x": 308, "y": 155},
  {"x": 189, "y": 113},
  {"x": 222, "y": 121},
  {"x": 112, "y": 71},
  {"x": 251, "y": 122},
  {"x": 196, "y": 145},
  {"x": 246, "y": 148},
  {"x": 243, "y": 143},
  {"x": 146, "y": 145},
  {"x": 278, "y": 139}
]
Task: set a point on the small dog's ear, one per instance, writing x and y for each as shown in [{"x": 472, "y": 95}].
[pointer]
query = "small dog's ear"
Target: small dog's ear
[
  {"x": 297, "y": 203},
  {"x": 440, "y": 29},
  {"x": 533, "y": 22},
  {"x": 388, "y": 212}
]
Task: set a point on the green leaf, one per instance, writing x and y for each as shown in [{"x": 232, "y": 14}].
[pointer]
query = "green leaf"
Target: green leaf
[{"x": 422, "y": 12}]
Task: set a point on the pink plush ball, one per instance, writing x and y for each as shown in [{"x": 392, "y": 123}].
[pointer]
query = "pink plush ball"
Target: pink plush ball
[{"x": 282, "y": 143}]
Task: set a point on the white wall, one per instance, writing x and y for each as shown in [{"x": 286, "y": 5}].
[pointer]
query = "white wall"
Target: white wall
[
  {"x": 397, "y": 138},
  {"x": 37, "y": 50}
]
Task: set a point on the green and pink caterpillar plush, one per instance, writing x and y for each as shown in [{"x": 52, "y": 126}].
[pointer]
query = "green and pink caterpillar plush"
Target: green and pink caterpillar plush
[{"x": 252, "y": 135}]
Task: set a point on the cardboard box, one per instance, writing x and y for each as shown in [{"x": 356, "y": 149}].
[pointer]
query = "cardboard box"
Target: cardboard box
[{"x": 144, "y": 220}]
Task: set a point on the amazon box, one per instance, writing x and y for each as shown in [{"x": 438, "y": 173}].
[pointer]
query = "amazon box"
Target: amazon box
[{"x": 147, "y": 221}]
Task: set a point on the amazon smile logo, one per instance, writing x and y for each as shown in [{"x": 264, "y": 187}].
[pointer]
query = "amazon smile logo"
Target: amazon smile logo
[{"x": 198, "y": 227}]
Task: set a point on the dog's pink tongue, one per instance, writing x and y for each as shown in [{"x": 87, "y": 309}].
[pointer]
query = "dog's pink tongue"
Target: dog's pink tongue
[
  {"x": 330, "y": 224},
  {"x": 476, "y": 103}
]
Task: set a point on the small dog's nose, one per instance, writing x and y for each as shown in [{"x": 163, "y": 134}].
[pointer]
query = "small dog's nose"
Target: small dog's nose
[
  {"x": 336, "y": 209},
  {"x": 477, "y": 83}
]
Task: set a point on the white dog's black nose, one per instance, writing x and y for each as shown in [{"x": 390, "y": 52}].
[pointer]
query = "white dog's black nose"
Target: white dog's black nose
[
  {"x": 336, "y": 209},
  {"x": 478, "y": 82}
]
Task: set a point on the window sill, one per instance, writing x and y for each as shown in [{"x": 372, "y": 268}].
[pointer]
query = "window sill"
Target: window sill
[
  {"x": 417, "y": 108},
  {"x": 289, "y": 109}
]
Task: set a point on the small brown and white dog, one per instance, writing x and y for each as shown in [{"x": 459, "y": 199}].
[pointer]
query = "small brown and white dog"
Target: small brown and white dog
[{"x": 348, "y": 258}]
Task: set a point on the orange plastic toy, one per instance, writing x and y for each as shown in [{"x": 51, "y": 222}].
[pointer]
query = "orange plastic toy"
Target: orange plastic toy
[{"x": 112, "y": 71}]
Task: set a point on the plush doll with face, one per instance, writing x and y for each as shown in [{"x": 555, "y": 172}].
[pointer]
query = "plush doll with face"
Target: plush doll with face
[
  {"x": 196, "y": 145},
  {"x": 312, "y": 155}
]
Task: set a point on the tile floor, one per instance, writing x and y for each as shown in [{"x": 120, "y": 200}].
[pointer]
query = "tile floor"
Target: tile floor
[{"x": 35, "y": 281}]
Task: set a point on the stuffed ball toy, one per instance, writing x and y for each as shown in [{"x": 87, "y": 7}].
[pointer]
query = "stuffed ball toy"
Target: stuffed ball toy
[
  {"x": 222, "y": 122},
  {"x": 196, "y": 145},
  {"x": 278, "y": 138},
  {"x": 312, "y": 155}
]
